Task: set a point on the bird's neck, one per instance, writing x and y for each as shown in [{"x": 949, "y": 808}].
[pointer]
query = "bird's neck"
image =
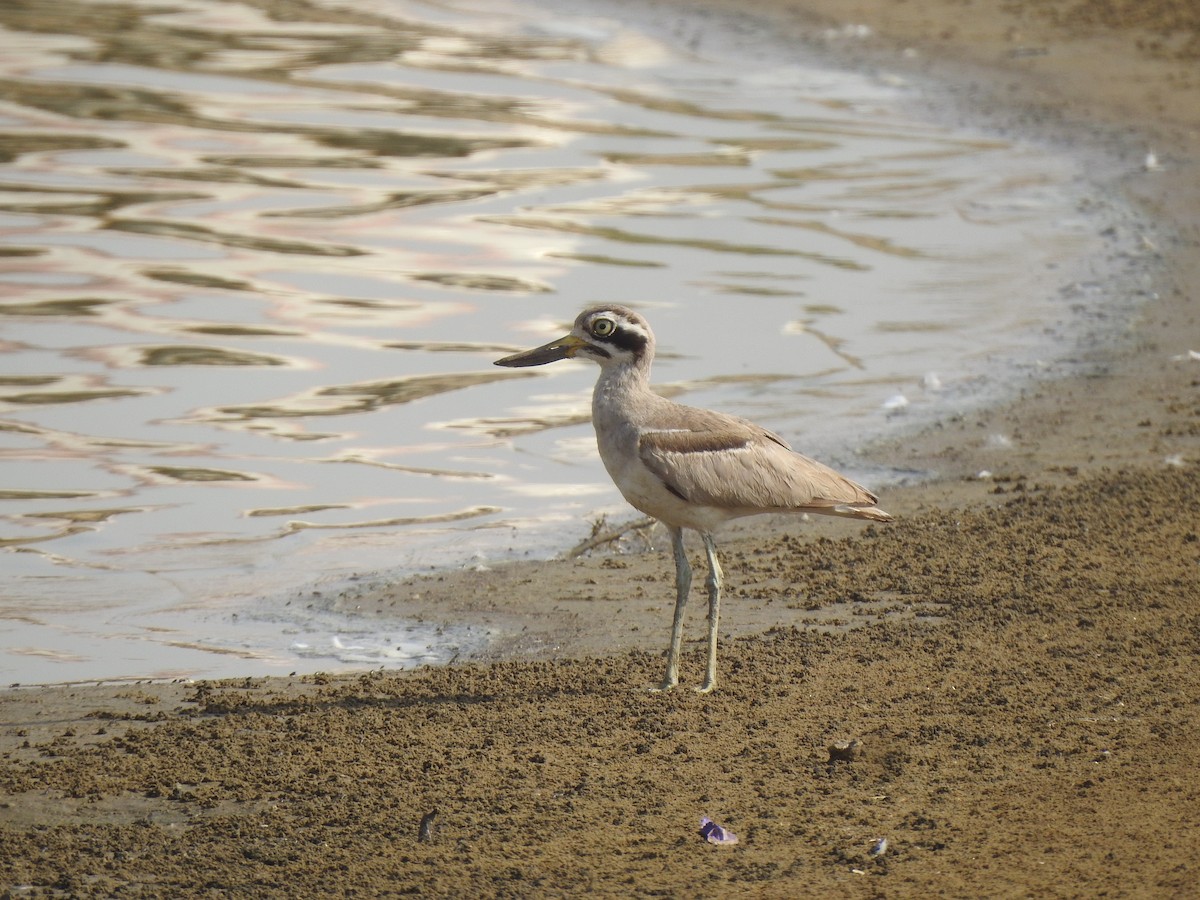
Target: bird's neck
[{"x": 617, "y": 384}]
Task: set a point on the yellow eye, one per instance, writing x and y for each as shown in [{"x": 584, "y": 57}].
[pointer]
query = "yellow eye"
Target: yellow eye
[{"x": 603, "y": 327}]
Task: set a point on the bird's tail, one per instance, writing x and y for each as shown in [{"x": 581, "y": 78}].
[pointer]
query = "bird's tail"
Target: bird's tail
[{"x": 872, "y": 513}]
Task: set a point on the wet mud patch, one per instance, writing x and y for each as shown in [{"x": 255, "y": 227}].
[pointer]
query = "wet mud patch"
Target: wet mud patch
[{"x": 1039, "y": 733}]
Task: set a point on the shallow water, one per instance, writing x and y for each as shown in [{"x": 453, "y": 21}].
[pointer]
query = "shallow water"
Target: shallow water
[{"x": 258, "y": 258}]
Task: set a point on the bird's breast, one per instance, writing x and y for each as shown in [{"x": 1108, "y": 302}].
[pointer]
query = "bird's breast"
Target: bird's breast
[{"x": 643, "y": 489}]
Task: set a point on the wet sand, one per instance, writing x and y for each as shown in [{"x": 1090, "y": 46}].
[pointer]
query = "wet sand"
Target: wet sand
[{"x": 1017, "y": 654}]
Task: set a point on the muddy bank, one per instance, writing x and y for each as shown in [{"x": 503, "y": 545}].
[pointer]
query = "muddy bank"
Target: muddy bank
[{"x": 1036, "y": 737}]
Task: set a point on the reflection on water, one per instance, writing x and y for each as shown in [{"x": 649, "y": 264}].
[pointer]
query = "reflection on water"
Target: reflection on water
[{"x": 258, "y": 257}]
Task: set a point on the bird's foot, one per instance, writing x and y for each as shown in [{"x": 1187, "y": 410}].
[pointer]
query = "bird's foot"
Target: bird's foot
[
  {"x": 667, "y": 685},
  {"x": 707, "y": 688}
]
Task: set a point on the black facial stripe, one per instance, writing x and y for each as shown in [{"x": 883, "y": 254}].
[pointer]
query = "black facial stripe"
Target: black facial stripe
[
  {"x": 627, "y": 339},
  {"x": 599, "y": 351}
]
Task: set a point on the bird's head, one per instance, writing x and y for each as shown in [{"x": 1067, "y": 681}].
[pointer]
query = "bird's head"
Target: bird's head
[{"x": 608, "y": 335}]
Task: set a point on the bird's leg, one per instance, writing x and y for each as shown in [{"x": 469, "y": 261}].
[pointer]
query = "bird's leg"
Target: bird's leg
[
  {"x": 683, "y": 584},
  {"x": 714, "y": 611}
]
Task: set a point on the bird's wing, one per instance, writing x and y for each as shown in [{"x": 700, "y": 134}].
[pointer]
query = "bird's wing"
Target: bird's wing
[{"x": 743, "y": 467}]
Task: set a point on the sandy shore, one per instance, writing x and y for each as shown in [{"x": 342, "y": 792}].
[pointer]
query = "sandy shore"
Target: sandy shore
[{"x": 1016, "y": 655}]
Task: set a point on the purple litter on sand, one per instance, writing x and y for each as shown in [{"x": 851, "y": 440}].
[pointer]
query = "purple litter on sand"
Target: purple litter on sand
[{"x": 714, "y": 833}]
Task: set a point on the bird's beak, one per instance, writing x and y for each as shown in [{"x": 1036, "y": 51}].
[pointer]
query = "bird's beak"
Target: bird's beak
[{"x": 562, "y": 348}]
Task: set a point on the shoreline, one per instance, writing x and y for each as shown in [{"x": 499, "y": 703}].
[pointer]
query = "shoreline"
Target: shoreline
[
  {"x": 1026, "y": 700},
  {"x": 1057, "y": 428}
]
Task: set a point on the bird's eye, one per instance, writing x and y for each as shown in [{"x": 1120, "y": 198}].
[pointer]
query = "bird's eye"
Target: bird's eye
[{"x": 603, "y": 327}]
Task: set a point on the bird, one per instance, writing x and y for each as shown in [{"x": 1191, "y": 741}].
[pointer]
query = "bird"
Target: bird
[{"x": 687, "y": 467}]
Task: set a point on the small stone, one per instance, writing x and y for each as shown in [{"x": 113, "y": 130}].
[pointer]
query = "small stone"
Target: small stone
[
  {"x": 845, "y": 751},
  {"x": 425, "y": 832}
]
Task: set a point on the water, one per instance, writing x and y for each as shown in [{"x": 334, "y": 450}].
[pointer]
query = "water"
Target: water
[{"x": 255, "y": 271}]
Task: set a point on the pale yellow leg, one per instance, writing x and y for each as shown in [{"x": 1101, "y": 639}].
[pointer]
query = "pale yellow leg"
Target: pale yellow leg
[
  {"x": 683, "y": 585},
  {"x": 714, "y": 612}
]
